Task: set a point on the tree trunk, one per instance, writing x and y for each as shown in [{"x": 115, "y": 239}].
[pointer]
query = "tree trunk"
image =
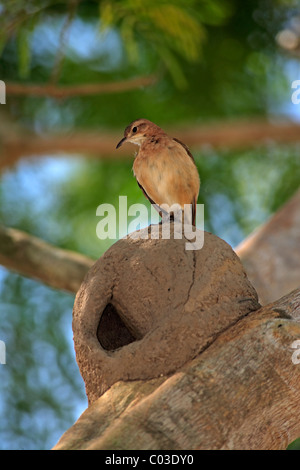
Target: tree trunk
[{"x": 271, "y": 255}]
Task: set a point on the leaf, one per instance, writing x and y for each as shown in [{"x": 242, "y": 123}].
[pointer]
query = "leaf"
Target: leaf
[
  {"x": 23, "y": 45},
  {"x": 131, "y": 45},
  {"x": 107, "y": 15},
  {"x": 24, "y": 34}
]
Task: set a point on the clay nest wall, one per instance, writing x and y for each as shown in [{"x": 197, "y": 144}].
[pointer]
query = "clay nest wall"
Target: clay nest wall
[{"x": 148, "y": 306}]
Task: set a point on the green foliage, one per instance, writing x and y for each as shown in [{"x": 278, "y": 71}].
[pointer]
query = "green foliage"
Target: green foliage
[
  {"x": 169, "y": 28},
  {"x": 295, "y": 445}
]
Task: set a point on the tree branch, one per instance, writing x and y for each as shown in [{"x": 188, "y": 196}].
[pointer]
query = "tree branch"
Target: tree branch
[
  {"x": 239, "y": 134},
  {"x": 67, "y": 91},
  {"x": 32, "y": 257},
  {"x": 234, "y": 135}
]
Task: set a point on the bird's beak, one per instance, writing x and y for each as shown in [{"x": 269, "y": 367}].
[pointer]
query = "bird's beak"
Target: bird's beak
[{"x": 121, "y": 142}]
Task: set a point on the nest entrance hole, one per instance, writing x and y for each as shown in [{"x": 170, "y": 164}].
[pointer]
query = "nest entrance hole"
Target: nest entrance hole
[{"x": 112, "y": 333}]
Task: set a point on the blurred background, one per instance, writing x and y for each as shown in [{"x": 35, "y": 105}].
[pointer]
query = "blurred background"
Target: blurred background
[{"x": 187, "y": 65}]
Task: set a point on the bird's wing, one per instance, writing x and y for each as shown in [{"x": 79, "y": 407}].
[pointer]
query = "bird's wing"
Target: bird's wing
[
  {"x": 156, "y": 206},
  {"x": 194, "y": 202},
  {"x": 185, "y": 148}
]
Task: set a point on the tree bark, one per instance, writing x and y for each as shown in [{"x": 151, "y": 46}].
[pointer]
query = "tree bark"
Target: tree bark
[{"x": 242, "y": 392}]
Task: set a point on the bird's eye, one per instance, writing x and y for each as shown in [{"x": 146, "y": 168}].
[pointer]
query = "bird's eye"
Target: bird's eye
[{"x": 134, "y": 129}]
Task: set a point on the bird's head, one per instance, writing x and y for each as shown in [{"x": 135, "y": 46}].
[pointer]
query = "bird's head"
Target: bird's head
[{"x": 138, "y": 131}]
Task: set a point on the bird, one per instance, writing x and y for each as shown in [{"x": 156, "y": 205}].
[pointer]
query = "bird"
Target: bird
[{"x": 164, "y": 167}]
